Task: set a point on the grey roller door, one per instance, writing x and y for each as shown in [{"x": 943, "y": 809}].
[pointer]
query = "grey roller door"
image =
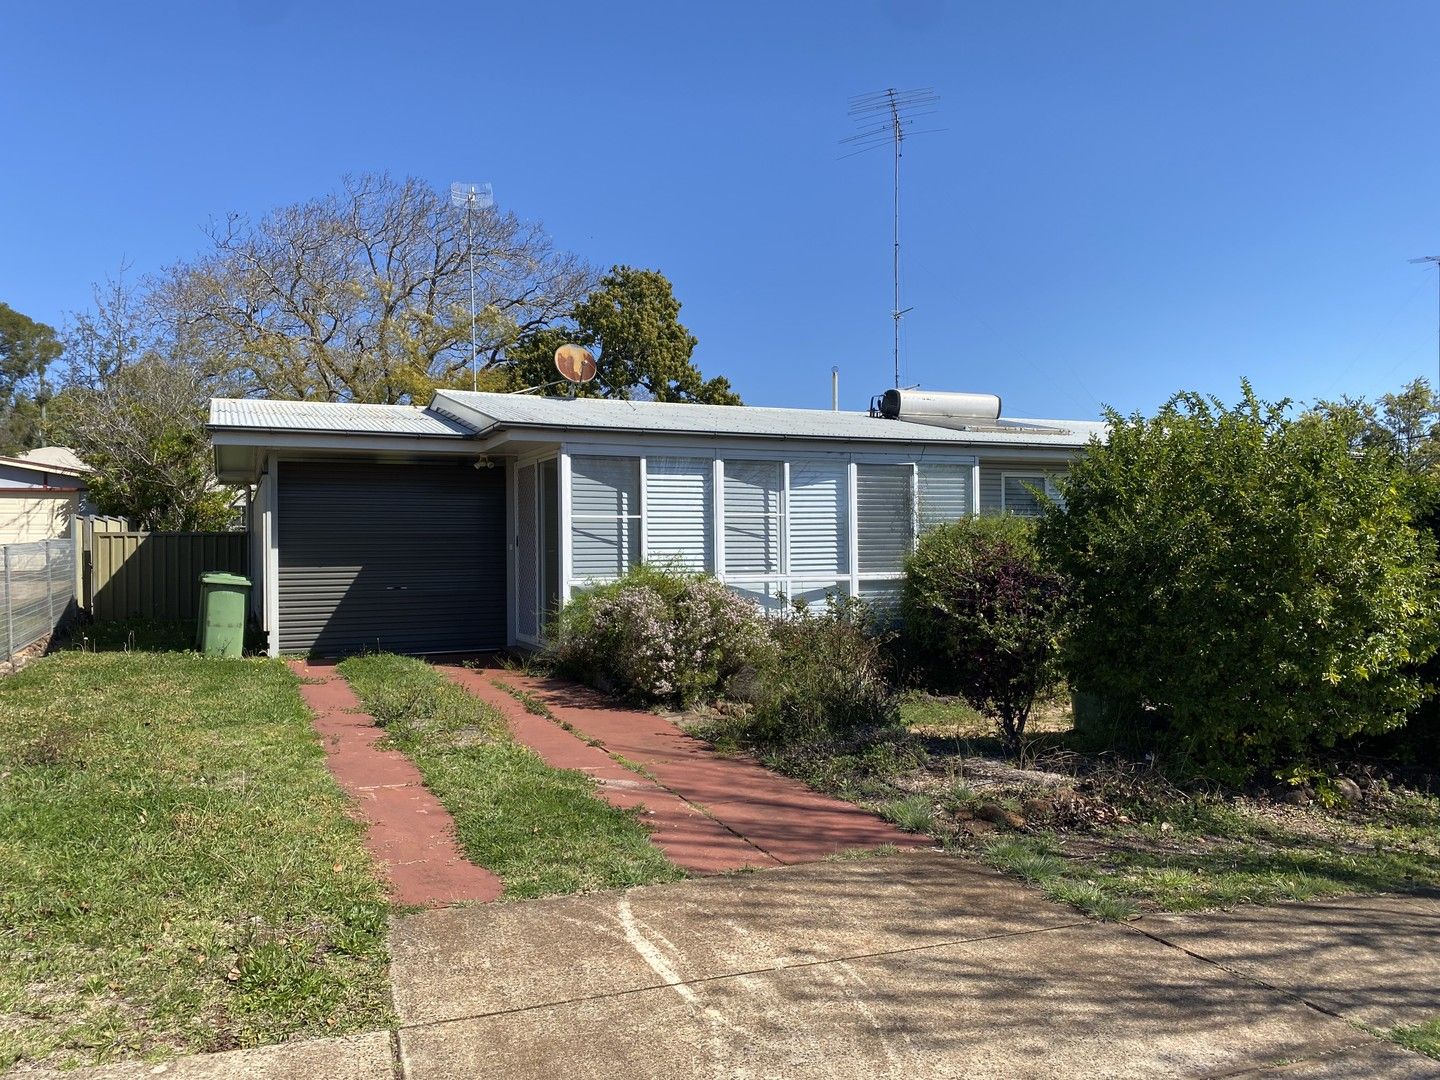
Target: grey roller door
[{"x": 405, "y": 558}]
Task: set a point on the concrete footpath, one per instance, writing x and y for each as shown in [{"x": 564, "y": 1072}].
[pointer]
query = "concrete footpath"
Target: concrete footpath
[{"x": 915, "y": 964}]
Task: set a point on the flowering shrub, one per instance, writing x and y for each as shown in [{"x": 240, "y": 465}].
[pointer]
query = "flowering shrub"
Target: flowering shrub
[
  {"x": 659, "y": 636},
  {"x": 981, "y": 609}
]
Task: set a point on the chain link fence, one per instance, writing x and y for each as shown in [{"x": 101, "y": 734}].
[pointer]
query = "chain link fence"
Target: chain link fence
[{"x": 36, "y": 592}]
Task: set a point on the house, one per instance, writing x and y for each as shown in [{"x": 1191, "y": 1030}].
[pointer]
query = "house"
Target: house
[
  {"x": 461, "y": 525},
  {"x": 41, "y": 492}
]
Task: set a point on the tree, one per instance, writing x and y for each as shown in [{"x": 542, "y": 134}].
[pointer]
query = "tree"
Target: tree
[
  {"x": 363, "y": 295},
  {"x": 980, "y": 607},
  {"x": 143, "y": 436},
  {"x": 1406, "y": 424},
  {"x": 633, "y": 322},
  {"x": 134, "y": 407},
  {"x": 27, "y": 349},
  {"x": 1248, "y": 579}
]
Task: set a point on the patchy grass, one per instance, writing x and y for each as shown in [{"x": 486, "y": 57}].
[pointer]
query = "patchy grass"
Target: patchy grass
[
  {"x": 1424, "y": 1038},
  {"x": 542, "y": 830},
  {"x": 1109, "y": 838},
  {"x": 177, "y": 869},
  {"x": 532, "y": 704}
]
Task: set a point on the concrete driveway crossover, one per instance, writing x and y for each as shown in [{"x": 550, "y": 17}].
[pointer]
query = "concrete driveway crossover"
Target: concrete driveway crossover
[
  {"x": 916, "y": 964},
  {"x": 910, "y": 965}
]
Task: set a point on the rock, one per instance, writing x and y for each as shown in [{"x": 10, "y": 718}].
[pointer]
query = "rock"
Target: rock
[
  {"x": 1298, "y": 797},
  {"x": 994, "y": 812},
  {"x": 1348, "y": 790}
]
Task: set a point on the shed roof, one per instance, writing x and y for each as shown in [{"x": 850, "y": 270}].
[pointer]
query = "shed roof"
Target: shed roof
[
  {"x": 54, "y": 459},
  {"x": 485, "y": 412},
  {"x": 326, "y": 416}
]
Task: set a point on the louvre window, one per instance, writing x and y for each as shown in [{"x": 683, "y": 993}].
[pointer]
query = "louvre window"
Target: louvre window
[
  {"x": 754, "y": 517},
  {"x": 1018, "y": 493},
  {"x": 944, "y": 494},
  {"x": 605, "y": 516},
  {"x": 679, "y": 512},
  {"x": 819, "y": 519},
  {"x": 885, "y": 523}
]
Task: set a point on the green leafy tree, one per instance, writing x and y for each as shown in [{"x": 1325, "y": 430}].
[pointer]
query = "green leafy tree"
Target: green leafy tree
[
  {"x": 134, "y": 408},
  {"x": 27, "y": 349},
  {"x": 1406, "y": 424},
  {"x": 632, "y": 322},
  {"x": 1249, "y": 579},
  {"x": 980, "y": 607}
]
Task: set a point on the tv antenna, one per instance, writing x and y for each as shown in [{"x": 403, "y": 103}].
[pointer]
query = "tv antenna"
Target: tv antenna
[
  {"x": 1434, "y": 260},
  {"x": 887, "y": 118},
  {"x": 472, "y": 197}
]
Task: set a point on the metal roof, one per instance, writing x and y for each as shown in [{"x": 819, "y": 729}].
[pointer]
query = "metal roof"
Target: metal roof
[
  {"x": 456, "y": 414},
  {"x": 326, "y": 416},
  {"x": 59, "y": 459},
  {"x": 487, "y": 412}
]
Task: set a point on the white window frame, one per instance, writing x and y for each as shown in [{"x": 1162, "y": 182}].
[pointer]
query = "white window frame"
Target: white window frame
[
  {"x": 849, "y": 579},
  {"x": 568, "y": 574}
]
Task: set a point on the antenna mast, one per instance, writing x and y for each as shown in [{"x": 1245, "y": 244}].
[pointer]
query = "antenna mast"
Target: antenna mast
[
  {"x": 887, "y": 118},
  {"x": 472, "y": 197},
  {"x": 1433, "y": 260}
]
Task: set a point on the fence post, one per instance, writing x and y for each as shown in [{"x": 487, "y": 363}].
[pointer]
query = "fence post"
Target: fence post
[
  {"x": 49, "y": 587},
  {"x": 9, "y": 612}
]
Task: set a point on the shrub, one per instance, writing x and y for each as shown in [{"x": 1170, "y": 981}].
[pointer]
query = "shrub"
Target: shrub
[
  {"x": 1245, "y": 577},
  {"x": 826, "y": 678},
  {"x": 980, "y": 607},
  {"x": 659, "y": 636}
]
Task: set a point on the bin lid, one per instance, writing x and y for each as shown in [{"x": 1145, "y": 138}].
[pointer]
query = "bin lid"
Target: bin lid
[{"x": 219, "y": 578}]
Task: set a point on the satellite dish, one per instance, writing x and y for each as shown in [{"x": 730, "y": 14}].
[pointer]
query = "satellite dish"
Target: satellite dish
[{"x": 575, "y": 363}]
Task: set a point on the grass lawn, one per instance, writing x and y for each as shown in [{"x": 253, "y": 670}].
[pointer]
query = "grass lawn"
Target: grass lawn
[
  {"x": 1423, "y": 1037},
  {"x": 1114, "y": 839},
  {"x": 177, "y": 868},
  {"x": 542, "y": 830}
]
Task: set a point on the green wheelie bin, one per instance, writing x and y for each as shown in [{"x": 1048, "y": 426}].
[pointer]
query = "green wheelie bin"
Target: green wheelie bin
[{"x": 224, "y": 601}]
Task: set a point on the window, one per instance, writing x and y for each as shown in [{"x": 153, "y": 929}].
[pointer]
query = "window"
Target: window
[
  {"x": 944, "y": 494},
  {"x": 754, "y": 517},
  {"x": 680, "y": 512},
  {"x": 819, "y": 520},
  {"x": 1018, "y": 493},
  {"x": 885, "y": 524},
  {"x": 604, "y": 516}
]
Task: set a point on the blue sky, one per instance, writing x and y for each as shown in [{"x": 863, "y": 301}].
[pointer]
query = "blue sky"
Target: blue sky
[{"x": 1129, "y": 198}]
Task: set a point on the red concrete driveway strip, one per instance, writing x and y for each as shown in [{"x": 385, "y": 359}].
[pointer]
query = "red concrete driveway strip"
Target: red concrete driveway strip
[
  {"x": 409, "y": 832},
  {"x": 688, "y": 837},
  {"x": 779, "y": 815}
]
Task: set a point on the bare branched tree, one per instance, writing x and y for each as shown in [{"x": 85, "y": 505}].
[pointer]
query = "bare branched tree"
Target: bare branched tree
[{"x": 363, "y": 295}]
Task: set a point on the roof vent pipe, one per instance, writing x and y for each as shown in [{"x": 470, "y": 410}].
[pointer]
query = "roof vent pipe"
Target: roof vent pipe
[{"x": 940, "y": 408}]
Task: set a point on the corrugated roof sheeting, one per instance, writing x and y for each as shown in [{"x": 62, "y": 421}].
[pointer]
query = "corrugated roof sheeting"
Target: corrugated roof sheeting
[
  {"x": 484, "y": 411},
  {"x": 333, "y": 417},
  {"x": 462, "y": 413}
]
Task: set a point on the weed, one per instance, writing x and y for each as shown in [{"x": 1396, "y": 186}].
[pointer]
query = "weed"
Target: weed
[{"x": 915, "y": 813}]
